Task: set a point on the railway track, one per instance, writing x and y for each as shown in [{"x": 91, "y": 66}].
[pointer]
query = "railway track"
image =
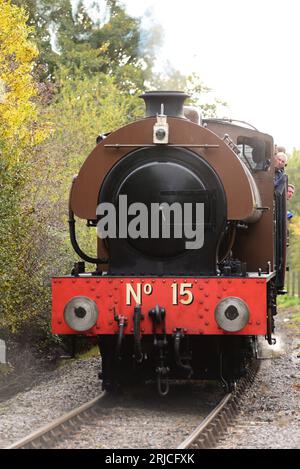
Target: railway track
[
  {"x": 88, "y": 416},
  {"x": 215, "y": 425},
  {"x": 46, "y": 436}
]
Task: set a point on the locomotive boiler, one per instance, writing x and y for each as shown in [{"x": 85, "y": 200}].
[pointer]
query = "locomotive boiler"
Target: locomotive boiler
[{"x": 189, "y": 304}]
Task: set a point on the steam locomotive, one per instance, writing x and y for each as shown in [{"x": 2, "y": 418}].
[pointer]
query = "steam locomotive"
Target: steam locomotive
[{"x": 168, "y": 308}]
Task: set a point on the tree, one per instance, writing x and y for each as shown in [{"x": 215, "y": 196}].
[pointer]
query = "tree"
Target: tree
[
  {"x": 18, "y": 112},
  {"x": 40, "y": 20},
  {"x": 75, "y": 40},
  {"x": 20, "y": 133}
]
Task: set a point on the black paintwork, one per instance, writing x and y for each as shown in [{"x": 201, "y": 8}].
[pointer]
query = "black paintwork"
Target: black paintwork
[
  {"x": 172, "y": 103},
  {"x": 164, "y": 174}
]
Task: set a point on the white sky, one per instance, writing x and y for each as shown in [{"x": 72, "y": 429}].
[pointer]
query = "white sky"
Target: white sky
[{"x": 248, "y": 51}]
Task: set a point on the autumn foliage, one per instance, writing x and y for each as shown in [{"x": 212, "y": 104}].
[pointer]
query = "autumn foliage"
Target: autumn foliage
[{"x": 19, "y": 127}]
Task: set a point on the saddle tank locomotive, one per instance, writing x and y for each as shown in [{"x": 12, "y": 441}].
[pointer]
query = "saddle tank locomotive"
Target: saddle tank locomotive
[{"x": 162, "y": 311}]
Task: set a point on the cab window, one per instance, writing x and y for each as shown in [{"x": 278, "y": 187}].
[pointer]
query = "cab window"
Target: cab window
[{"x": 252, "y": 153}]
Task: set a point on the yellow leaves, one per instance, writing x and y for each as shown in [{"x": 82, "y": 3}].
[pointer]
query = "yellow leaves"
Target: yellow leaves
[
  {"x": 18, "y": 90},
  {"x": 14, "y": 33},
  {"x": 108, "y": 25},
  {"x": 20, "y": 131},
  {"x": 104, "y": 47}
]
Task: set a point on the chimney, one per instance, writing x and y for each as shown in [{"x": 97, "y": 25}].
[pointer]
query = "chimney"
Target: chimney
[{"x": 172, "y": 103}]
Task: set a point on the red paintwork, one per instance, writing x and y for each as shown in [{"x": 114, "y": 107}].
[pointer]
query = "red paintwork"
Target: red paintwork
[{"x": 196, "y": 318}]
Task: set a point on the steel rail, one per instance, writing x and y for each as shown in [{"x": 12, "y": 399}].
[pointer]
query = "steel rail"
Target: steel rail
[
  {"x": 49, "y": 427},
  {"x": 187, "y": 443},
  {"x": 208, "y": 432}
]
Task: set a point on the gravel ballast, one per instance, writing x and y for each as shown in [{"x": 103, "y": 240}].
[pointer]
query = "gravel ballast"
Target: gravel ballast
[
  {"x": 270, "y": 416},
  {"x": 61, "y": 391}
]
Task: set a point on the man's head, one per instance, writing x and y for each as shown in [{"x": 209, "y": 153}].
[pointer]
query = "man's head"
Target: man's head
[
  {"x": 280, "y": 160},
  {"x": 290, "y": 191}
]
